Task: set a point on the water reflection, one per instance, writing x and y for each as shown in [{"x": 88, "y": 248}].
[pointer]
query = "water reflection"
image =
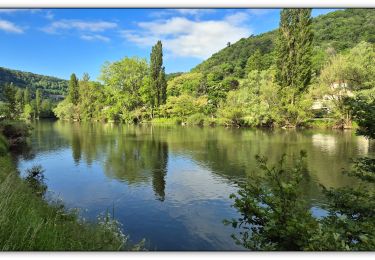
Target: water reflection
[{"x": 172, "y": 184}]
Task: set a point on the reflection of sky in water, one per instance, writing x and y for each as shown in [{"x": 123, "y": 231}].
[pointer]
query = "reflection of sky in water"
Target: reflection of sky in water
[
  {"x": 172, "y": 185},
  {"x": 328, "y": 143},
  {"x": 196, "y": 201},
  {"x": 325, "y": 142}
]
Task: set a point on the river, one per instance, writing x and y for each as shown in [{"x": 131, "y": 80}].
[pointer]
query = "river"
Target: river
[{"x": 171, "y": 184}]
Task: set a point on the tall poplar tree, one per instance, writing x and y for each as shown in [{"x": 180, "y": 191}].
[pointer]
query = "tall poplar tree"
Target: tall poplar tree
[
  {"x": 38, "y": 101},
  {"x": 157, "y": 74},
  {"x": 294, "y": 49},
  {"x": 19, "y": 101},
  {"x": 73, "y": 94},
  {"x": 26, "y": 96},
  {"x": 163, "y": 86}
]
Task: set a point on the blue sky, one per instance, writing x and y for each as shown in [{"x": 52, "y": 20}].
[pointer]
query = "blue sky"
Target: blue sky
[{"x": 58, "y": 42}]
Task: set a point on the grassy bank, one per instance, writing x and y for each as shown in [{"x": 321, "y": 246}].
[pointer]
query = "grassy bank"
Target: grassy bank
[
  {"x": 201, "y": 120},
  {"x": 28, "y": 222}
]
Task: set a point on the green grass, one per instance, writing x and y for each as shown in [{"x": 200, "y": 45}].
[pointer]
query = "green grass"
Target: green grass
[
  {"x": 166, "y": 121},
  {"x": 326, "y": 123},
  {"x": 321, "y": 123}
]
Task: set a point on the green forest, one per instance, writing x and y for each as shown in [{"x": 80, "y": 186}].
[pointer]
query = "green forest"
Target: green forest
[
  {"x": 267, "y": 83},
  {"x": 21, "y": 79},
  {"x": 255, "y": 82},
  {"x": 309, "y": 73}
]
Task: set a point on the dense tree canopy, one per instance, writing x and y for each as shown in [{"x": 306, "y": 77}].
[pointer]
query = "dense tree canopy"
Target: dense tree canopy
[
  {"x": 21, "y": 79},
  {"x": 339, "y": 30}
]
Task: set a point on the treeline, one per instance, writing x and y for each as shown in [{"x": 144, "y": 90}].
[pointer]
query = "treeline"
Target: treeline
[
  {"x": 339, "y": 30},
  {"x": 288, "y": 87},
  {"x": 274, "y": 215},
  {"x": 133, "y": 90},
  {"x": 22, "y": 79},
  {"x": 21, "y": 103}
]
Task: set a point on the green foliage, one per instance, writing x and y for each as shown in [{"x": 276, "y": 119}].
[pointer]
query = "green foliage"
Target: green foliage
[
  {"x": 38, "y": 102},
  {"x": 123, "y": 80},
  {"x": 183, "y": 106},
  {"x": 157, "y": 74},
  {"x": 166, "y": 121},
  {"x": 21, "y": 79},
  {"x": 187, "y": 83},
  {"x": 196, "y": 119},
  {"x": 363, "y": 107},
  {"x": 73, "y": 92},
  {"x": 92, "y": 100},
  {"x": 26, "y": 96},
  {"x": 242, "y": 90},
  {"x": 10, "y": 109},
  {"x": 238, "y": 53},
  {"x": 345, "y": 76},
  {"x": 339, "y": 30},
  {"x": 273, "y": 215},
  {"x": 16, "y": 132},
  {"x": 294, "y": 111},
  {"x": 293, "y": 49},
  {"x": 65, "y": 110},
  {"x": 35, "y": 179},
  {"x": 3, "y": 145},
  {"x": 321, "y": 123},
  {"x": 255, "y": 62},
  {"x": 28, "y": 112},
  {"x": 351, "y": 212}
]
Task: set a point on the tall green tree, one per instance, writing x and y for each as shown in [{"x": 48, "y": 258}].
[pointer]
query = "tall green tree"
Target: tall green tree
[
  {"x": 26, "y": 96},
  {"x": 86, "y": 77},
  {"x": 19, "y": 101},
  {"x": 123, "y": 82},
  {"x": 255, "y": 62},
  {"x": 163, "y": 86},
  {"x": 73, "y": 92},
  {"x": 157, "y": 73},
  {"x": 294, "y": 49},
  {"x": 9, "y": 93},
  {"x": 38, "y": 102}
]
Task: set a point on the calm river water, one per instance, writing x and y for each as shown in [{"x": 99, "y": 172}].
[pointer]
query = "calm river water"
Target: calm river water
[{"x": 170, "y": 184}]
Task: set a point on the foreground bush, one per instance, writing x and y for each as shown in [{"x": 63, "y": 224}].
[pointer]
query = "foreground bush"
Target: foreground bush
[
  {"x": 274, "y": 215},
  {"x": 15, "y": 131}
]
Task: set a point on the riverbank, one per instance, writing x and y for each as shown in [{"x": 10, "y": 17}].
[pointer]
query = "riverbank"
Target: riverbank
[
  {"x": 29, "y": 223},
  {"x": 317, "y": 123}
]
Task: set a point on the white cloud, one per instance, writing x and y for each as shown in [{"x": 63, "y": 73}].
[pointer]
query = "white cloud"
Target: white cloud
[
  {"x": 184, "y": 12},
  {"x": 194, "y": 11},
  {"x": 49, "y": 15},
  {"x": 10, "y": 27},
  {"x": 94, "y": 37},
  {"x": 237, "y": 18},
  {"x": 90, "y": 26},
  {"x": 190, "y": 38},
  {"x": 260, "y": 12}
]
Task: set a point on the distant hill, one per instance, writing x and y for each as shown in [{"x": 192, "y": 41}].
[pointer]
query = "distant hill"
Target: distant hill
[
  {"x": 340, "y": 30},
  {"x": 21, "y": 79}
]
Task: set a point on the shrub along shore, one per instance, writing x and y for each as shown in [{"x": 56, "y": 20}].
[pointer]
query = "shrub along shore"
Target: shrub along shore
[{"x": 28, "y": 222}]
